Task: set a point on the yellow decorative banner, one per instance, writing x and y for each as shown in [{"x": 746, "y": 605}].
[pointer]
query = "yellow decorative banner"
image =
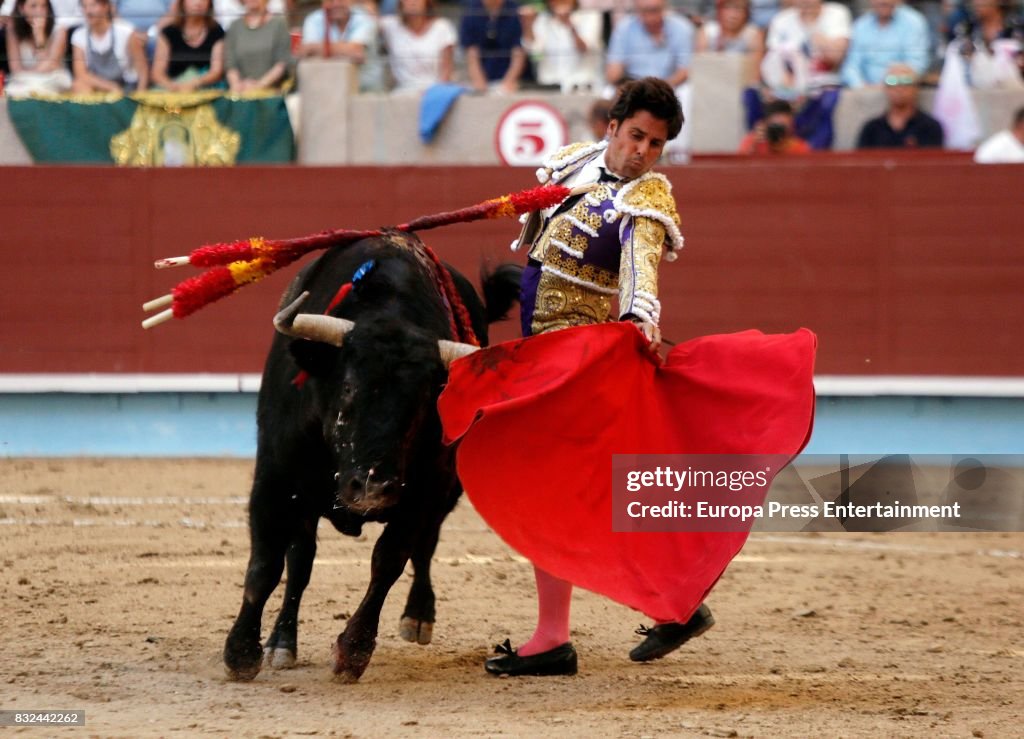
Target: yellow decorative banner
[{"x": 188, "y": 136}]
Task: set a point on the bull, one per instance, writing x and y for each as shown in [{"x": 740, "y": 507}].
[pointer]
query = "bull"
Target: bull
[{"x": 358, "y": 439}]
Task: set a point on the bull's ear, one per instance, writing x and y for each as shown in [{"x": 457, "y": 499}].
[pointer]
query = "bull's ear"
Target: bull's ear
[{"x": 315, "y": 357}]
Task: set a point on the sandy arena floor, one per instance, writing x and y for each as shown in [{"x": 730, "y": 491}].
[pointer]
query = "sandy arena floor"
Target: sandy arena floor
[{"x": 122, "y": 579}]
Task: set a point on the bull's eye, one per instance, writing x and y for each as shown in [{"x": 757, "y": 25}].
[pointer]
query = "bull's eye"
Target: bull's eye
[{"x": 346, "y": 389}]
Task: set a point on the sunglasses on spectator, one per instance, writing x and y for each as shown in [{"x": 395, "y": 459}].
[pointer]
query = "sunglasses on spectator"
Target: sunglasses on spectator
[{"x": 893, "y": 80}]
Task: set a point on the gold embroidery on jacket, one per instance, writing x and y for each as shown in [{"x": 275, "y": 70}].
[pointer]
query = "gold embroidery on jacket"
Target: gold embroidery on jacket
[
  {"x": 560, "y": 227},
  {"x": 562, "y": 304},
  {"x": 638, "y": 264}
]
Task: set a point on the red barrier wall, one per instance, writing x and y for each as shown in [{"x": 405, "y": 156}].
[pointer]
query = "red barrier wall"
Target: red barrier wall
[{"x": 901, "y": 267}]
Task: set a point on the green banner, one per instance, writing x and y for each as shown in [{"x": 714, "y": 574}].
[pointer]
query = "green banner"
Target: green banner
[{"x": 207, "y": 128}]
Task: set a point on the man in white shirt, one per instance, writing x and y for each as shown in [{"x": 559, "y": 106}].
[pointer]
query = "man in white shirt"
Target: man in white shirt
[
  {"x": 1005, "y": 147},
  {"x": 805, "y": 47}
]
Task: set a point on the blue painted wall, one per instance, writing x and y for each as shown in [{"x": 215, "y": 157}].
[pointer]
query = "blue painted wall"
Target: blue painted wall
[{"x": 224, "y": 425}]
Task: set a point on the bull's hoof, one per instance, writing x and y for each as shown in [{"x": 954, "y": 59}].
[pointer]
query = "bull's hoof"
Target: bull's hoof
[
  {"x": 279, "y": 658},
  {"x": 345, "y": 677},
  {"x": 349, "y": 664},
  {"x": 243, "y": 675},
  {"x": 242, "y": 662},
  {"x": 416, "y": 631}
]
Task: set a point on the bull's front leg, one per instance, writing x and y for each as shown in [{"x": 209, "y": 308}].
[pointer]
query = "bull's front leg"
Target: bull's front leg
[
  {"x": 417, "y": 624},
  {"x": 356, "y": 643},
  {"x": 269, "y": 525},
  {"x": 243, "y": 653},
  {"x": 282, "y": 647}
]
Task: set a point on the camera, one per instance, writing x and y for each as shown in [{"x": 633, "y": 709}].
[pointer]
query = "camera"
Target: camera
[{"x": 775, "y": 133}]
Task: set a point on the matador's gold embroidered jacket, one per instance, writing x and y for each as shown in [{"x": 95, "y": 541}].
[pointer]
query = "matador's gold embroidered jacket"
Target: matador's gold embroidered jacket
[{"x": 609, "y": 243}]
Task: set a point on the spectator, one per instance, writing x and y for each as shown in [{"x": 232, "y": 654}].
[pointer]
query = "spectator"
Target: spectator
[
  {"x": 108, "y": 54},
  {"x": 421, "y": 45},
  {"x": 991, "y": 42},
  {"x": 1005, "y": 147},
  {"x": 228, "y": 11},
  {"x": 774, "y": 134},
  {"x": 342, "y": 30},
  {"x": 565, "y": 44},
  {"x": 190, "y": 51},
  {"x": 805, "y": 46},
  {"x": 66, "y": 14},
  {"x": 903, "y": 125},
  {"x": 257, "y": 50},
  {"x": 731, "y": 30},
  {"x": 35, "y": 50},
  {"x": 890, "y": 32},
  {"x": 651, "y": 43},
  {"x": 598, "y": 119},
  {"x": 492, "y": 37},
  {"x": 148, "y": 15}
]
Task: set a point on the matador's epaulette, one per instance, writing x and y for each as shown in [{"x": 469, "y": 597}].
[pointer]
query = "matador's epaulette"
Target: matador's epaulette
[{"x": 650, "y": 196}]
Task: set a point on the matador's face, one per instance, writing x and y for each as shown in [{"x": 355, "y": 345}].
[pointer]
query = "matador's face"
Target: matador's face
[{"x": 635, "y": 144}]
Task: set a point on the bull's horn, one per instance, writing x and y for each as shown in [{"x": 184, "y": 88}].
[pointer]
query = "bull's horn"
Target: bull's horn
[
  {"x": 327, "y": 329},
  {"x": 452, "y": 350}
]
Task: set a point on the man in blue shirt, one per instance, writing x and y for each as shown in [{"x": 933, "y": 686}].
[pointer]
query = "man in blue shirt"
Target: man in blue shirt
[
  {"x": 342, "y": 30},
  {"x": 651, "y": 43},
  {"x": 492, "y": 37},
  {"x": 890, "y": 33}
]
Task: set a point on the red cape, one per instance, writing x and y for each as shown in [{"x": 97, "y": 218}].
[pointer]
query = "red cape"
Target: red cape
[{"x": 540, "y": 418}]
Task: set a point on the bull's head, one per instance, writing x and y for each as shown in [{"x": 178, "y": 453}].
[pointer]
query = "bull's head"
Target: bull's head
[{"x": 378, "y": 384}]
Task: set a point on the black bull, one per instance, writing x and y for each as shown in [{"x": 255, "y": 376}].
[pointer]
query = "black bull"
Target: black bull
[{"x": 358, "y": 440}]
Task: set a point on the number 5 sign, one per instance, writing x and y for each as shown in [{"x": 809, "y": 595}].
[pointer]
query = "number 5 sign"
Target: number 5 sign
[{"x": 529, "y": 132}]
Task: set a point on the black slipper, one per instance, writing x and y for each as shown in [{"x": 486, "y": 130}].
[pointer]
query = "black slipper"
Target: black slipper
[
  {"x": 665, "y": 638},
  {"x": 558, "y": 661}
]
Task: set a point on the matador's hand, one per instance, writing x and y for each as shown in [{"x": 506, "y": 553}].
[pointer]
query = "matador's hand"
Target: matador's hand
[{"x": 653, "y": 335}]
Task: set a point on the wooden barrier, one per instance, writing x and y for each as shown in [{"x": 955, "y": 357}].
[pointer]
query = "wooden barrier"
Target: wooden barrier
[{"x": 901, "y": 265}]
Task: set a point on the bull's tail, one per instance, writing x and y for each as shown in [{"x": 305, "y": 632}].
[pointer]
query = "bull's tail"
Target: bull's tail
[{"x": 501, "y": 289}]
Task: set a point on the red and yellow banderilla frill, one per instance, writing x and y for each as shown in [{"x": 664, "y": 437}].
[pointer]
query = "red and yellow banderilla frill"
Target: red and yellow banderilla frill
[{"x": 232, "y": 265}]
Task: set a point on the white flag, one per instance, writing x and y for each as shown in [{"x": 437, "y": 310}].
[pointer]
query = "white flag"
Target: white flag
[{"x": 954, "y": 106}]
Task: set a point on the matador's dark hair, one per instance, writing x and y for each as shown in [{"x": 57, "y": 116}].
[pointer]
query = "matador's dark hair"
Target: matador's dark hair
[{"x": 653, "y": 95}]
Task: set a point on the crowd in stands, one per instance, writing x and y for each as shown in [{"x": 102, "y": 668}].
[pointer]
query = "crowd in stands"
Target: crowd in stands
[{"x": 801, "y": 53}]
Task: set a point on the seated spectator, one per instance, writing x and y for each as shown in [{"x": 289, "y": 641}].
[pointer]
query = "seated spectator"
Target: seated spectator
[
  {"x": 35, "y": 50},
  {"x": 190, "y": 51},
  {"x": 342, "y": 30},
  {"x": 67, "y": 14},
  {"x": 732, "y": 32},
  {"x": 565, "y": 45},
  {"x": 774, "y": 134},
  {"x": 992, "y": 43},
  {"x": 228, "y": 11},
  {"x": 651, "y": 43},
  {"x": 491, "y": 34},
  {"x": 890, "y": 32},
  {"x": 257, "y": 50},
  {"x": 805, "y": 47},
  {"x": 598, "y": 119},
  {"x": 421, "y": 45},
  {"x": 148, "y": 15},
  {"x": 1005, "y": 147},
  {"x": 108, "y": 54},
  {"x": 903, "y": 125}
]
